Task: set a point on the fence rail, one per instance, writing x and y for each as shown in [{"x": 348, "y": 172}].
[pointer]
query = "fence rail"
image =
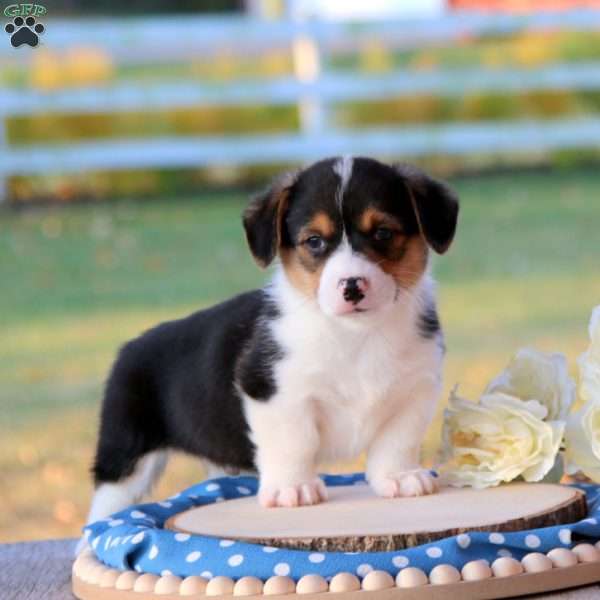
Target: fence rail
[
  {"x": 454, "y": 139},
  {"x": 330, "y": 88},
  {"x": 146, "y": 40}
]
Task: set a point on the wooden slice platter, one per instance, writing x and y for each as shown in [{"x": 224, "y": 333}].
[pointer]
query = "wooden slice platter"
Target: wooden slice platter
[{"x": 355, "y": 520}]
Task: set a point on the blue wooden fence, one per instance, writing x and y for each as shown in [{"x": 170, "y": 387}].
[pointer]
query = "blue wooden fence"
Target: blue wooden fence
[{"x": 152, "y": 40}]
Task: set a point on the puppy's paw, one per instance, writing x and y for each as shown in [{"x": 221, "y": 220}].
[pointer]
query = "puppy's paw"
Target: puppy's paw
[
  {"x": 302, "y": 494},
  {"x": 418, "y": 482}
]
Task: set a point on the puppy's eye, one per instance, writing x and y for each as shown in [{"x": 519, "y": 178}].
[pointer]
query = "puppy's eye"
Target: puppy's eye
[
  {"x": 383, "y": 234},
  {"x": 315, "y": 243}
]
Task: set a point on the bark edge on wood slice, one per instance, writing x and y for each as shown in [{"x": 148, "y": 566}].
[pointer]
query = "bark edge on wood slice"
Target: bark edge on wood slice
[{"x": 355, "y": 520}]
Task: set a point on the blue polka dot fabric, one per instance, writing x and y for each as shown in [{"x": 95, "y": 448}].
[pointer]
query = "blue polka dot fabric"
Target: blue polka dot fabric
[{"x": 136, "y": 539}]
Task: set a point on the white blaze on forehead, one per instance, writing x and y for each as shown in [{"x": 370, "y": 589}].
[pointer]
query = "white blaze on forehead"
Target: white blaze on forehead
[{"x": 343, "y": 169}]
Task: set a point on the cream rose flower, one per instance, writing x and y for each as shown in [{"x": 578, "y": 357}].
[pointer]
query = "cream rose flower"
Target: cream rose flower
[
  {"x": 582, "y": 438},
  {"x": 497, "y": 440},
  {"x": 589, "y": 363},
  {"x": 533, "y": 375},
  {"x": 582, "y": 441}
]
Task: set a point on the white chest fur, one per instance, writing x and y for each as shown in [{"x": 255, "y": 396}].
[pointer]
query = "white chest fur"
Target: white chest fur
[{"x": 348, "y": 374}]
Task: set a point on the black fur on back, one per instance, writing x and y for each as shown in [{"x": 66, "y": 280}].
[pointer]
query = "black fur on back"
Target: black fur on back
[
  {"x": 174, "y": 387},
  {"x": 254, "y": 371}
]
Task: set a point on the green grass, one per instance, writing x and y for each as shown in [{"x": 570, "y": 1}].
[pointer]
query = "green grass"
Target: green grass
[
  {"x": 122, "y": 255},
  {"x": 80, "y": 280}
]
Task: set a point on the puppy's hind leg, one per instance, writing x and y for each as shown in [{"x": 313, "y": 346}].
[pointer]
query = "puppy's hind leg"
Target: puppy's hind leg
[{"x": 114, "y": 495}]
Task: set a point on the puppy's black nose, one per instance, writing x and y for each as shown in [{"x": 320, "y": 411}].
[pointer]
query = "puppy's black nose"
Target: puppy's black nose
[{"x": 353, "y": 289}]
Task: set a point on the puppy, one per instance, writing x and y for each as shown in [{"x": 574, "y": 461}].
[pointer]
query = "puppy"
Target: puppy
[{"x": 340, "y": 353}]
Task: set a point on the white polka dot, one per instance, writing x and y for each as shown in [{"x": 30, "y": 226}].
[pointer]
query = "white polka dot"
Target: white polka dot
[
  {"x": 138, "y": 568},
  {"x": 126, "y": 539},
  {"x": 532, "y": 541},
  {"x": 165, "y": 504},
  {"x": 363, "y": 569},
  {"x": 166, "y": 572},
  {"x": 316, "y": 557},
  {"x": 95, "y": 542},
  {"x": 463, "y": 540},
  {"x": 174, "y": 497},
  {"x": 206, "y": 574},
  {"x": 564, "y": 535},
  {"x": 107, "y": 542},
  {"x": 193, "y": 556},
  {"x": 137, "y": 538},
  {"x": 434, "y": 552},
  {"x": 504, "y": 552},
  {"x": 219, "y": 499},
  {"x": 115, "y": 542},
  {"x": 153, "y": 552},
  {"x": 243, "y": 490},
  {"x": 400, "y": 561},
  {"x": 496, "y": 538},
  {"x": 226, "y": 543},
  {"x": 591, "y": 521},
  {"x": 182, "y": 537},
  {"x": 350, "y": 553},
  {"x": 213, "y": 487},
  {"x": 116, "y": 522},
  {"x": 281, "y": 569},
  {"x": 137, "y": 514},
  {"x": 236, "y": 560},
  {"x": 269, "y": 549}
]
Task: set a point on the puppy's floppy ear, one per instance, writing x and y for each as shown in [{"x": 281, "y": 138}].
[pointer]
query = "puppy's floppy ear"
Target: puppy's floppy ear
[
  {"x": 263, "y": 219},
  {"x": 435, "y": 205}
]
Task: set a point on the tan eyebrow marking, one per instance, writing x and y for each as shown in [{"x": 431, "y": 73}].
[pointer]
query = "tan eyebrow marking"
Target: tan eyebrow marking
[
  {"x": 321, "y": 223},
  {"x": 372, "y": 218}
]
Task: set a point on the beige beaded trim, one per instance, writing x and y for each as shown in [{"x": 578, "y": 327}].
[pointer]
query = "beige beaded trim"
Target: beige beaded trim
[{"x": 536, "y": 572}]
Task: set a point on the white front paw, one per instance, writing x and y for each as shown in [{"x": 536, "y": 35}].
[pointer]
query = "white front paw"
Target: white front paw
[
  {"x": 418, "y": 482},
  {"x": 301, "y": 494}
]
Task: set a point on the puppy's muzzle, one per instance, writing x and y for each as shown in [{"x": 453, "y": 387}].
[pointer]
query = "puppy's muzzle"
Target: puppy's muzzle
[{"x": 354, "y": 289}]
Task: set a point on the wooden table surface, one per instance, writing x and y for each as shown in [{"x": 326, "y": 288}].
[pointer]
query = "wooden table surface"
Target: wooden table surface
[{"x": 42, "y": 571}]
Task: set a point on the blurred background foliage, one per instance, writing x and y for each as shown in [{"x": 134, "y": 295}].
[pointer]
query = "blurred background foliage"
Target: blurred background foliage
[
  {"x": 95, "y": 8},
  {"x": 90, "y": 259},
  {"x": 50, "y": 70}
]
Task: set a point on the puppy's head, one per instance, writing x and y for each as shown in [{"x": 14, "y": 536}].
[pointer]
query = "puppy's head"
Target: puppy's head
[{"x": 351, "y": 232}]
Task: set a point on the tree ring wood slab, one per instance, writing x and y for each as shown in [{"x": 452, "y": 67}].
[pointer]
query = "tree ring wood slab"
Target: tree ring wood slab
[{"x": 355, "y": 520}]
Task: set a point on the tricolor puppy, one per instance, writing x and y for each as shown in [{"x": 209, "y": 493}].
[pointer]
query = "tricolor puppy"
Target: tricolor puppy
[{"x": 340, "y": 353}]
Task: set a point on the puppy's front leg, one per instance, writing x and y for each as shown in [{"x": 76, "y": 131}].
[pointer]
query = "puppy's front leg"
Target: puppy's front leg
[
  {"x": 287, "y": 442},
  {"x": 393, "y": 458}
]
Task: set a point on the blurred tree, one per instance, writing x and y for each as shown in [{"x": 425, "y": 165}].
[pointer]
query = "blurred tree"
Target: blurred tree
[{"x": 141, "y": 7}]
